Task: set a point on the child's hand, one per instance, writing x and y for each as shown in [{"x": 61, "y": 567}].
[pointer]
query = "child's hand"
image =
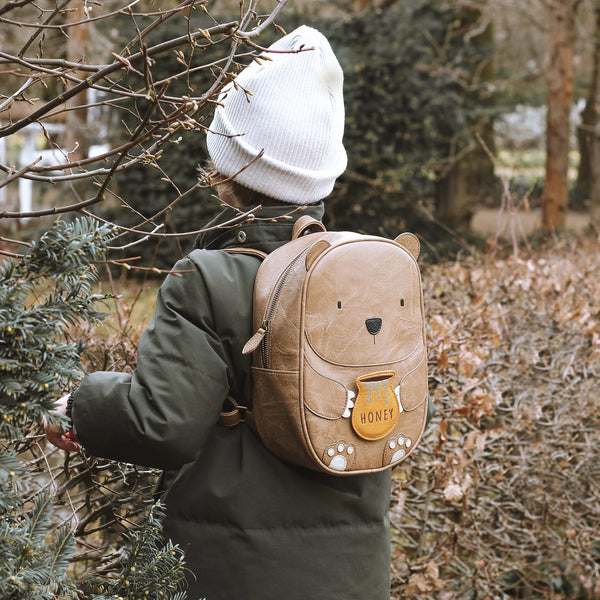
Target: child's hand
[{"x": 56, "y": 436}]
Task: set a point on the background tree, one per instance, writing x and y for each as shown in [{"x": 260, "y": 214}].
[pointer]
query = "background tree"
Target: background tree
[
  {"x": 588, "y": 178},
  {"x": 467, "y": 177},
  {"x": 77, "y": 48},
  {"x": 559, "y": 103},
  {"x": 590, "y": 116},
  {"x": 595, "y": 179}
]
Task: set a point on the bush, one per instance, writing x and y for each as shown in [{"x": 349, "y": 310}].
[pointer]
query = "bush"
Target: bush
[
  {"x": 501, "y": 500},
  {"x": 41, "y": 297},
  {"x": 407, "y": 110}
]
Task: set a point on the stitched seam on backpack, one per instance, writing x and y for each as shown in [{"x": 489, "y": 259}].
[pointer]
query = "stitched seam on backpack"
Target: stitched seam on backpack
[
  {"x": 337, "y": 383},
  {"x": 352, "y": 365}
]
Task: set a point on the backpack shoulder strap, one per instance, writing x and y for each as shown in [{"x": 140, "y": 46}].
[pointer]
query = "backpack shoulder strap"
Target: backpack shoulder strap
[
  {"x": 232, "y": 413},
  {"x": 250, "y": 251}
]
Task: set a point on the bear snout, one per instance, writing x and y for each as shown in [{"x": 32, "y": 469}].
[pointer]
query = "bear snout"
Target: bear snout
[{"x": 373, "y": 325}]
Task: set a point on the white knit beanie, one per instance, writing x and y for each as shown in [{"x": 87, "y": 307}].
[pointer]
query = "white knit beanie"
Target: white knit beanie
[{"x": 295, "y": 113}]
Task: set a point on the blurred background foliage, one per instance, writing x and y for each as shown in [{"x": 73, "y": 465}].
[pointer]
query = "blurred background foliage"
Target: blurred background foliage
[{"x": 413, "y": 103}]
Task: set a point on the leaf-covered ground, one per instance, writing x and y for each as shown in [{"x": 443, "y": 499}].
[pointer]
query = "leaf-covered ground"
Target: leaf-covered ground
[{"x": 503, "y": 497}]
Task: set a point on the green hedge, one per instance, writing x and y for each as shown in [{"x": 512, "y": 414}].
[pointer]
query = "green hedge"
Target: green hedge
[
  {"x": 405, "y": 68},
  {"x": 407, "y": 106}
]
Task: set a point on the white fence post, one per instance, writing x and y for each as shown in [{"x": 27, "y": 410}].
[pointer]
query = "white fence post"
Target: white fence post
[{"x": 26, "y": 157}]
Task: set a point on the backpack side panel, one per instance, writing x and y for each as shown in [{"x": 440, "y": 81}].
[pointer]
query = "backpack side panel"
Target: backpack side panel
[{"x": 276, "y": 365}]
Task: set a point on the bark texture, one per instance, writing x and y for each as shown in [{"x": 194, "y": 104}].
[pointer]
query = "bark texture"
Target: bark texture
[{"x": 560, "y": 98}]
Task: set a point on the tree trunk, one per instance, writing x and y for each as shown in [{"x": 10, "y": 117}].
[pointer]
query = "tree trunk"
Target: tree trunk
[
  {"x": 452, "y": 198},
  {"x": 589, "y": 119},
  {"x": 560, "y": 99}
]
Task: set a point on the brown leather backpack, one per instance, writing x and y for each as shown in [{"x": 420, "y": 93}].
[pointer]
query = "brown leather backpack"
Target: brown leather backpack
[{"x": 339, "y": 354}]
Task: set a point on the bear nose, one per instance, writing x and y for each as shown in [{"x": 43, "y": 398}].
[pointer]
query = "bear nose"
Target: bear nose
[{"x": 373, "y": 325}]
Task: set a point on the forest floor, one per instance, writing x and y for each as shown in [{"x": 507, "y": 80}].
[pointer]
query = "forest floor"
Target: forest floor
[{"x": 502, "y": 499}]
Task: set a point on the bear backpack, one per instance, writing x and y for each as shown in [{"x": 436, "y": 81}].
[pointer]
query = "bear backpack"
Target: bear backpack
[{"x": 339, "y": 364}]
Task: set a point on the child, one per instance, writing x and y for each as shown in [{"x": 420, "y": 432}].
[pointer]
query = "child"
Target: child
[{"x": 252, "y": 526}]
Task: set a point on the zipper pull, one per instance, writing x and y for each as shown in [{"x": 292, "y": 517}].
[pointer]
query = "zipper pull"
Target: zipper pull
[{"x": 252, "y": 344}]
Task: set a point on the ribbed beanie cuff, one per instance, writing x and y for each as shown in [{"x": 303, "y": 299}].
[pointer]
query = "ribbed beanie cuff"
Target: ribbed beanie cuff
[{"x": 291, "y": 108}]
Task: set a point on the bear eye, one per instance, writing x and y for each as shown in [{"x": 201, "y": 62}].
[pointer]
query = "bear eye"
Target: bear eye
[
  {"x": 402, "y": 302},
  {"x": 340, "y": 304}
]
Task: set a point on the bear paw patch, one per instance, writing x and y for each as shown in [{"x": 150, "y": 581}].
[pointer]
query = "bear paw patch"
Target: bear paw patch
[
  {"x": 396, "y": 448},
  {"x": 339, "y": 456}
]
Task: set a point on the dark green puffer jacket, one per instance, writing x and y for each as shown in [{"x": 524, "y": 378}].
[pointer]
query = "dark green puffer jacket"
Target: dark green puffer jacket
[{"x": 253, "y": 527}]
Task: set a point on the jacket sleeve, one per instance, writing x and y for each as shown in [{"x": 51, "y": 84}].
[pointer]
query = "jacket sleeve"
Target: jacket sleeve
[{"x": 161, "y": 415}]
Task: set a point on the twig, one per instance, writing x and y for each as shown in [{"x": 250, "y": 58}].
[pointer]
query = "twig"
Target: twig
[
  {"x": 12, "y": 97},
  {"x": 117, "y": 65},
  {"x": 20, "y": 242},
  {"x": 40, "y": 29},
  {"x": 243, "y": 216},
  {"x": 17, "y": 174},
  {"x": 260, "y": 28}
]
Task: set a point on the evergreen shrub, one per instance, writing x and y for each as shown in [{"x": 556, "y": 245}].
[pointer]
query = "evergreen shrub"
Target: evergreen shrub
[
  {"x": 408, "y": 111},
  {"x": 41, "y": 297}
]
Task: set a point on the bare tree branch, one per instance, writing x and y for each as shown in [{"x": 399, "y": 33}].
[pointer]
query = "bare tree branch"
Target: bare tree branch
[
  {"x": 266, "y": 23},
  {"x": 101, "y": 73},
  {"x": 124, "y": 83},
  {"x": 12, "y": 4}
]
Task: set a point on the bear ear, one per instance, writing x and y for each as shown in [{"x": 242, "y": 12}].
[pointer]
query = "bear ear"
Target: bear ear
[
  {"x": 315, "y": 251},
  {"x": 411, "y": 242}
]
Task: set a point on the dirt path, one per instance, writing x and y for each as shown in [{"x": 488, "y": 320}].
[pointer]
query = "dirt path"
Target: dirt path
[{"x": 487, "y": 221}]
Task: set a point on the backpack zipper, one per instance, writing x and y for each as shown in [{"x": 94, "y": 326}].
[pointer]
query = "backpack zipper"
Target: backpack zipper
[{"x": 265, "y": 346}]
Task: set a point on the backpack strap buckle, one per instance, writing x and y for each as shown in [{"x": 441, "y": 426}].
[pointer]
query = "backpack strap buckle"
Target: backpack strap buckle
[{"x": 233, "y": 413}]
